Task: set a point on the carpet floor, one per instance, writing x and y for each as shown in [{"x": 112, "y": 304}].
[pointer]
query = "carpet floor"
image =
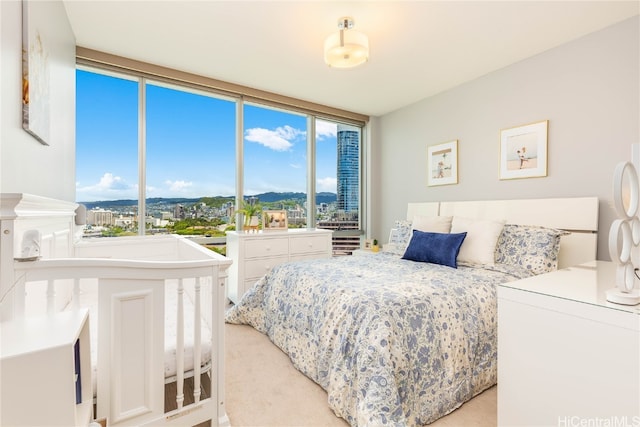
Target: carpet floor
[{"x": 264, "y": 389}]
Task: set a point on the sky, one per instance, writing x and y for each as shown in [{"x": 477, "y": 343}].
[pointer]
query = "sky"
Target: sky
[{"x": 190, "y": 144}]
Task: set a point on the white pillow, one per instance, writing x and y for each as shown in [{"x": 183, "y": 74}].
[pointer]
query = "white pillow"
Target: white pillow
[
  {"x": 480, "y": 244},
  {"x": 432, "y": 224}
]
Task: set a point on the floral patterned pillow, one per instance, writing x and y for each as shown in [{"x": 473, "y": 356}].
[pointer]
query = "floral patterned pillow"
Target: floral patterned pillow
[
  {"x": 531, "y": 247},
  {"x": 399, "y": 237}
]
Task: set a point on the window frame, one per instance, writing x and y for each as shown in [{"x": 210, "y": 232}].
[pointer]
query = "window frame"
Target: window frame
[{"x": 110, "y": 65}]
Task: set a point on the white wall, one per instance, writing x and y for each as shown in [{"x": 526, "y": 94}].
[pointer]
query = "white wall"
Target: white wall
[
  {"x": 588, "y": 89},
  {"x": 26, "y": 166}
]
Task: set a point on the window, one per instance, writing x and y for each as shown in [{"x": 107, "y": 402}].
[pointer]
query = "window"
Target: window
[
  {"x": 275, "y": 161},
  {"x": 338, "y": 158},
  {"x": 190, "y": 161},
  {"x": 107, "y": 151},
  {"x": 177, "y": 148}
]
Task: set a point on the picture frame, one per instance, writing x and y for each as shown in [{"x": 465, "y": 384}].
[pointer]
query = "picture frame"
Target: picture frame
[
  {"x": 367, "y": 244},
  {"x": 36, "y": 96},
  {"x": 274, "y": 220},
  {"x": 442, "y": 163},
  {"x": 523, "y": 151}
]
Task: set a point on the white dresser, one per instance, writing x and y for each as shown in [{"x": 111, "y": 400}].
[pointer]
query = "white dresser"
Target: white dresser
[
  {"x": 566, "y": 356},
  {"x": 254, "y": 254}
]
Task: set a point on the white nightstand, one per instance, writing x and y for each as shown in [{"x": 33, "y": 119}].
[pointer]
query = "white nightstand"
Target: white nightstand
[
  {"x": 255, "y": 254},
  {"x": 565, "y": 354},
  {"x": 46, "y": 371}
]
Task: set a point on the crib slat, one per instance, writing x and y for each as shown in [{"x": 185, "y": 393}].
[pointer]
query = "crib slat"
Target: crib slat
[
  {"x": 180, "y": 347},
  {"x": 196, "y": 344}
]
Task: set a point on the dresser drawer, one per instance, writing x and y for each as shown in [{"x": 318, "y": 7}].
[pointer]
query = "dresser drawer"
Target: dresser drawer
[
  {"x": 255, "y": 268},
  {"x": 309, "y": 244},
  {"x": 267, "y": 247}
]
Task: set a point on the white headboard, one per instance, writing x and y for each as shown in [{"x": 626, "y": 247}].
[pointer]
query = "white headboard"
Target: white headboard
[{"x": 577, "y": 215}]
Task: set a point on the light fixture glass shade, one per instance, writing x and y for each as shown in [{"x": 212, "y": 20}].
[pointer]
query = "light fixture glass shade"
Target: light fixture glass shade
[{"x": 353, "y": 51}]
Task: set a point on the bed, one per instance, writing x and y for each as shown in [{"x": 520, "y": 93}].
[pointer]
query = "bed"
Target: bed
[
  {"x": 398, "y": 341},
  {"x": 155, "y": 303}
]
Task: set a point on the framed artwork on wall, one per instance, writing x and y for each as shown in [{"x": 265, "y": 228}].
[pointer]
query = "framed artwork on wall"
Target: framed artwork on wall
[
  {"x": 35, "y": 72},
  {"x": 274, "y": 220},
  {"x": 442, "y": 163},
  {"x": 523, "y": 151}
]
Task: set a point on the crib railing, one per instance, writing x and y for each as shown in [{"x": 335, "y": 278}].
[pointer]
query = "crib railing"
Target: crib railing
[{"x": 130, "y": 362}]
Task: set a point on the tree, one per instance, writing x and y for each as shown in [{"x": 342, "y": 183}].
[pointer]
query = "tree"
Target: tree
[{"x": 249, "y": 211}]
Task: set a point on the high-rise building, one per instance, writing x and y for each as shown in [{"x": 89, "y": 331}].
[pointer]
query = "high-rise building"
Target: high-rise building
[
  {"x": 348, "y": 142},
  {"x": 99, "y": 217},
  {"x": 178, "y": 212}
]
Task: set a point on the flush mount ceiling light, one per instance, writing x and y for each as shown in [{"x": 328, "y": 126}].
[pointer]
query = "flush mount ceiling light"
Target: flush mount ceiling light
[{"x": 346, "y": 48}]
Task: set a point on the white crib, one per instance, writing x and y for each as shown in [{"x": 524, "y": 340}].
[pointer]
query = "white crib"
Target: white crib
[{"x": 143, "y": 287}]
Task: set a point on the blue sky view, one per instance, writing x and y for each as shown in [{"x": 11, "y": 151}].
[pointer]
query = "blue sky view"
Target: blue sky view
[{"x": 190, "y": 144}]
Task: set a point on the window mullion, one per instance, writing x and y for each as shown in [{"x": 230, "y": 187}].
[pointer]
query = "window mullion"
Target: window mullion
[
  {"x": 239, "y": 161},
  {"x": 142, "y": 158},
  {"x": 311, "y": 171}
]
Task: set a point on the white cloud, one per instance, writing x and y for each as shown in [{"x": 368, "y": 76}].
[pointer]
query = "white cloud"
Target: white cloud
[
  {"x": 111, "y": 182},
  {"x": 279, "y": 139},
  {"x": 327, "y": 184},
  {"x": 325, "y": 130},
  {"x": 295, "y": 166},
  {"x": 178, "y": 186},
  {"x": 110, "y": 187}
]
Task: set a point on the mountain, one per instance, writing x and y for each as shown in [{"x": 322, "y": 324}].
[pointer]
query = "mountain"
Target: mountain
[
  {"x": 131, "y": 202},
  {"x": 269, "y": 197},
  {"x": 325, "y": 197}
]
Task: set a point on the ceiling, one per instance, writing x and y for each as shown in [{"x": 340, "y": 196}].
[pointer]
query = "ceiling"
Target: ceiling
[{"x": 418, "y": 48}]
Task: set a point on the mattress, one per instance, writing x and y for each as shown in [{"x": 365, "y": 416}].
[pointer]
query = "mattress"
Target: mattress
[{"x": 89, "y": 299}]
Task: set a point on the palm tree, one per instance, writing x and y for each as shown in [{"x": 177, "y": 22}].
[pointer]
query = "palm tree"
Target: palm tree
[{"x": 249, "y": 212}]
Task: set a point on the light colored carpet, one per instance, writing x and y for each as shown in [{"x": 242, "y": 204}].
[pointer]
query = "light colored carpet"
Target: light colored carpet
[{"x": 264, "y": 389}]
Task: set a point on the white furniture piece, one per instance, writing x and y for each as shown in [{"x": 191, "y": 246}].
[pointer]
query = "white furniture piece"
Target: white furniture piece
[
  {"x": 38, "y": 358},
  {"x": 565, "y": 354},
  {"x": 579, "y": 215},
  {"x": 20, "y": 213},
  {"x": 254, "y": 254},
  {"x": 136, "y": 277}
]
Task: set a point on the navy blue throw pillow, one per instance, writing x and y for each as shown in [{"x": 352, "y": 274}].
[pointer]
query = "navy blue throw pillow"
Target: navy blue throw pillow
[{"x": 436, "y": 248}]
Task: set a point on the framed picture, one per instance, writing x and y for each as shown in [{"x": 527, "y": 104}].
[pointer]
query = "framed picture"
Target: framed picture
[
  {"x": 35, "y": 71},
  {"x": 274, "y": 220},
  {"x": 442, "y": 163},
  {"x": 368, "y": 244},
  {"x": 523, "y": 151}
]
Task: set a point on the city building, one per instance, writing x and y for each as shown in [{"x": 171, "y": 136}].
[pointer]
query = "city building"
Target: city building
[
  {"x": 99, "y": 217},
  {"x": 348, "y": 172}
]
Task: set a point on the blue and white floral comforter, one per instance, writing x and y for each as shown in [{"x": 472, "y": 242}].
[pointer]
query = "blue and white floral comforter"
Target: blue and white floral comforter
[{"x": 393, "y": 342}]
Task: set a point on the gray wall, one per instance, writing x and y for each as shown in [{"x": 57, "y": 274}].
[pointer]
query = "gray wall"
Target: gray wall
[
  {"x": 588, "y": 89},
  {"x": 26, "y": 166}
]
